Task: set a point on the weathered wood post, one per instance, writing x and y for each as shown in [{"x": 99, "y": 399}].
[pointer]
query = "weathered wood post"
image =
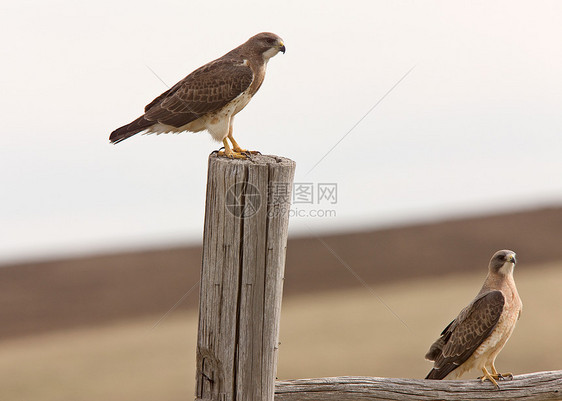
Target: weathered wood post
[{"x": 245, "y": 238}]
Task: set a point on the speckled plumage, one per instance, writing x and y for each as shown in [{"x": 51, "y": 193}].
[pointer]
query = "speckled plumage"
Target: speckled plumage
[
  {"x": 475, "y": 338},
  {"x": 209, "y": 97}
]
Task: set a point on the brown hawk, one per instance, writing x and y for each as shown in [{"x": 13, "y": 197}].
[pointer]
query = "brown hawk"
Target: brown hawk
[
  {"x": 209, "y": 97},
  {"x": 478, "y": 334}
]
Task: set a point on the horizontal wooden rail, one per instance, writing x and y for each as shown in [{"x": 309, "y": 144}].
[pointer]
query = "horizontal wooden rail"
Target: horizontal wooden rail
[{"x": 540, "y": 386}]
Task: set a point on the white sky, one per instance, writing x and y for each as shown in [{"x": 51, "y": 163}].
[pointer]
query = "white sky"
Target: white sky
[{"x": 476, "y": 126}]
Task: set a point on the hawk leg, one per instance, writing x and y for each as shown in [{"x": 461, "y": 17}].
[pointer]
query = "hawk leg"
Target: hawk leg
[
  {"x": 237, "y": 147},
  {"x": 227, "y": 152},
  {"x": 488, "y": 376},
  {"x": 501, "y": 376}
]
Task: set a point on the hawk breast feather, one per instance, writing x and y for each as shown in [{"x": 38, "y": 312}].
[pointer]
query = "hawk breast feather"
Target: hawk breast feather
[
  {"x": 205, "y": 90},
  {"x": 465, "y": 334}
]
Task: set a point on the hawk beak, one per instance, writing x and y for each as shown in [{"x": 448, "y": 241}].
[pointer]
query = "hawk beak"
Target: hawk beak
[
  {"x": 512, "y": 258},
  {"x": 282, "y": 47}
]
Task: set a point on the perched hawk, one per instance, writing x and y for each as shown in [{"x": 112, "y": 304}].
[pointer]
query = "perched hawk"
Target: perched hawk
[
  {"x": 476, "y": 337},
  {"x": 209, "y": 97}
]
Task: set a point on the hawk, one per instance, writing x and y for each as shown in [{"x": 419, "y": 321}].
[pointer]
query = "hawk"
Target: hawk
[
  {"x": 209, "y": 97},
  {"x": 478, "y": 334}
]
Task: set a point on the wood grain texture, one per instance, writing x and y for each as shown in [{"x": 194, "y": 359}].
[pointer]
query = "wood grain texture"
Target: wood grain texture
[
  {"x": 539, "y": 386},
  {"x": 244, "y": 248}
]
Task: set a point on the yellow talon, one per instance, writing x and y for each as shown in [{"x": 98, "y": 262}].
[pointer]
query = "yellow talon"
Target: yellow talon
[
  {"x": 232, "y": 155},
  {"x": 227, "y": 152},
  {"x": 501, "y": 376},
  {"x": 488, "y": 376},
  {"x": 237, "y": 147}
]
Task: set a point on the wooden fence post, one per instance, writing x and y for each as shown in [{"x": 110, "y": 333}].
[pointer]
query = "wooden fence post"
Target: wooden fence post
[{"x": 245, "y": 238}]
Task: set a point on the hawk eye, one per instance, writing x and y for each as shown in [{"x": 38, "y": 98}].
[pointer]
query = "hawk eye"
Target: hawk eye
[{"x": 270, "y": 41}]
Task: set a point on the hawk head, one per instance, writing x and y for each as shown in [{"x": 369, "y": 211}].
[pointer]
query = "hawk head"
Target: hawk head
[
  {"x": 503, "y": 262},
  {"x": 266, "y": 44}
]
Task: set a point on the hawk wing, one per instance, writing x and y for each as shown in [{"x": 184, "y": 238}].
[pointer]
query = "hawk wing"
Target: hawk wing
[
  {"x": 465, "y": 334},
  {"x": 205, "y": 90}
]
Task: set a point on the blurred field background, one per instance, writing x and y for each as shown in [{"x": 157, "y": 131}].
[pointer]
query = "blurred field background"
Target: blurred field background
[{"x": 92, "y": 328}]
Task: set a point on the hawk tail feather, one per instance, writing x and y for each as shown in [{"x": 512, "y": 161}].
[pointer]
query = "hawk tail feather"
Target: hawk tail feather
[
  {"x": 439, "y": 374},
  {"x": 128, "y": 130}
]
